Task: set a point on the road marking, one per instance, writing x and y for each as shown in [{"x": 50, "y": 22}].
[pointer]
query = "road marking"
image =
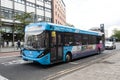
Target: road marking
[
  {"x": 15, "y": 62},
  {"x": 3, "y": 78},
  {"x": 8, "y": 56},
  {"x": 73, "y": 63}
]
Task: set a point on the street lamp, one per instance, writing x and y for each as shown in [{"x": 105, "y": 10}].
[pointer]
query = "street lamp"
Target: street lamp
[
  {"x": 44, "y": 8},
  {"x": 13, "y": 27},
  {"x": 0, "y": 10}
]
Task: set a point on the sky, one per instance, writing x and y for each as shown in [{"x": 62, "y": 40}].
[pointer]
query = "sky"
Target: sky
[{"x": 85, "y": 14}]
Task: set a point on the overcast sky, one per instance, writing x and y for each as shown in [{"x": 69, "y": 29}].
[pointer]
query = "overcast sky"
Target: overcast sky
[{"x": 85, "y": 14}]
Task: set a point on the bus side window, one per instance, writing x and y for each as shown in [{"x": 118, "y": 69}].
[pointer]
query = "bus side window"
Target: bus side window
[
  {"x": 71, "y": 40},
  {"x": 77, "y": 40},
  {"x": 85, "y": 39},
  {"x": 60, "y": 41},
  {"x": 68, "y": 39},
  {"x": 65, "y": 41}
]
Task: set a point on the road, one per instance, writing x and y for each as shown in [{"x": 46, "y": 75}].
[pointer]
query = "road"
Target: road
[{"x": 14, "y": 68}]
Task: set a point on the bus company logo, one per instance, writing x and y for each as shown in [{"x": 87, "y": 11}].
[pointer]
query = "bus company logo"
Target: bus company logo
[{"x": 30, "y": 53}]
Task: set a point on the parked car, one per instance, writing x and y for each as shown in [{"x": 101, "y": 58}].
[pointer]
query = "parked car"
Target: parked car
[{"x": 110, "y": 45}]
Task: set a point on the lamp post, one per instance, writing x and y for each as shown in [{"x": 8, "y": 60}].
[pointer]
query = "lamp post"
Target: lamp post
[
  {"x": 35, "y": 17},
  {"x": 13, "y": 12},
  {"x": 44, "y": 8},
  {"x": 0, "y": 10}
]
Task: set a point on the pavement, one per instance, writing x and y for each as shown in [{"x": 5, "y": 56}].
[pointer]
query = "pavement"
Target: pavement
[
  {"x": 9, "y": 52},
  {"x": 8, "y": 49},
  {"x": 107, "y": 69}
]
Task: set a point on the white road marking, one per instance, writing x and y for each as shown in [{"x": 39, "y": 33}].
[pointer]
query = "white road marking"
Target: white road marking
[
  {"x": 3, "y": 78},
  {"x": 8, "y": 56},
  {"x": 73, "y": 63},
  {"x": 15, "y": 62}
]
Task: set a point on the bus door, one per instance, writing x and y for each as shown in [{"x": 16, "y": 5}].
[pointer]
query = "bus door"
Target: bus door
[{"x": 56, "y": 47}]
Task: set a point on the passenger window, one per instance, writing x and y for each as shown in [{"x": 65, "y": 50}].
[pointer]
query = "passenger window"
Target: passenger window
[{"x": 68, "y": 40}]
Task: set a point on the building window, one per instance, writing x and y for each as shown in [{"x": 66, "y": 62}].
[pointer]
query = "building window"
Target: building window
[
  {"x": 48, "y": 2},
  {"x": 20, "y": 1},
  {"x": 55, "y": 13},
  {"x": 40, "y": 0},
  {"x": 47, "y": 9},
  {"x": 5, "y": 13},
  {"x": 48, "y": 19},
  {"x": 39, "y": 7},
  {"x": 56, "y": 21},
  {"x": 30, "y": 4}
]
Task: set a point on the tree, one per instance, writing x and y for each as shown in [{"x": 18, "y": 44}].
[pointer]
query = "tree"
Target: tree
[
  {"x": 1, "y": 26},
  {"x": 1, "y": 31},
  {"x": 24, "y": 19},
  {"x": 0, "y": 21},
  {"x": 116, "y": 34}
]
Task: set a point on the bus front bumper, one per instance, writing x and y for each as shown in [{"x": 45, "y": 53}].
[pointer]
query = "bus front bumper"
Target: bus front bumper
[{"x": 45, "y": 60}]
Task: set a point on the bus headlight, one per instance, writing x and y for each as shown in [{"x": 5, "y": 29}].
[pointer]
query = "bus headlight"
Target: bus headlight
[
  {"x": 41, "y": 55},
  {"x": 23, "y": 53}
]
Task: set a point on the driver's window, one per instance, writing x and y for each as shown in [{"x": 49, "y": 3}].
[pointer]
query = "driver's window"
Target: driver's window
[{"x": 47, "y": 39}]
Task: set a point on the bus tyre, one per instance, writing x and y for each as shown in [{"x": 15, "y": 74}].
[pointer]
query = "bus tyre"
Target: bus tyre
[{"x": 68, "y": 57}]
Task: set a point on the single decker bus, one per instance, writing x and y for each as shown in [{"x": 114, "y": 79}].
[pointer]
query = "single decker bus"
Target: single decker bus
[{"x": 48, "y": 43}]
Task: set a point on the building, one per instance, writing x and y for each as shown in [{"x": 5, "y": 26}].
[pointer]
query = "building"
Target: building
[
  {"x": 59, "y": 12},
  {"x": 41, "y": 11}
]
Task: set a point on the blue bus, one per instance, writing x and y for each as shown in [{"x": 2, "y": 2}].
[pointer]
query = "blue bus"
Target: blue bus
[{"x": 48, "y": 43}]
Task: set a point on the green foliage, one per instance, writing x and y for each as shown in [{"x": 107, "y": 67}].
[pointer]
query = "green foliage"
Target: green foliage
[
  {"x": 116, "y": 34},
  {"x": 1, "y": 17},
  {"x": 24, "y": 18},
  {"x": 0, "y": 20},
  {"x": 1, "y": 24}
]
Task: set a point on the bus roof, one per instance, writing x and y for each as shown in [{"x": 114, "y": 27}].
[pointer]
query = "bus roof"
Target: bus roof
[{"x": 62, "y": 28}]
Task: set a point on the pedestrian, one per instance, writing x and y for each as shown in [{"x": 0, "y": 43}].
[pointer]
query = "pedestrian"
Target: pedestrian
[
  {"x": 7, "y": 43},
  {"x": 18, "y": 44}
]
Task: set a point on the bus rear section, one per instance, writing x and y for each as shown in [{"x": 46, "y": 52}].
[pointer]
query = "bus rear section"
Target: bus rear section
[{"x": 81, "y": 45}]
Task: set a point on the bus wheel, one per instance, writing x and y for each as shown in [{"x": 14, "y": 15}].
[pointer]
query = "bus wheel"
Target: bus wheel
[{"x": 68, "y": 58}]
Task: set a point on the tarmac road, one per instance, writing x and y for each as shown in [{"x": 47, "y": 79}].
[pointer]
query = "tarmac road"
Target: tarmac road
[{"x": 14, "y": 68}]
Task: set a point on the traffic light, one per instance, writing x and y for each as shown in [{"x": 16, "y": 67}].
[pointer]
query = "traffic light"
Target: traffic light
[{"x": 102, "y": 28}]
